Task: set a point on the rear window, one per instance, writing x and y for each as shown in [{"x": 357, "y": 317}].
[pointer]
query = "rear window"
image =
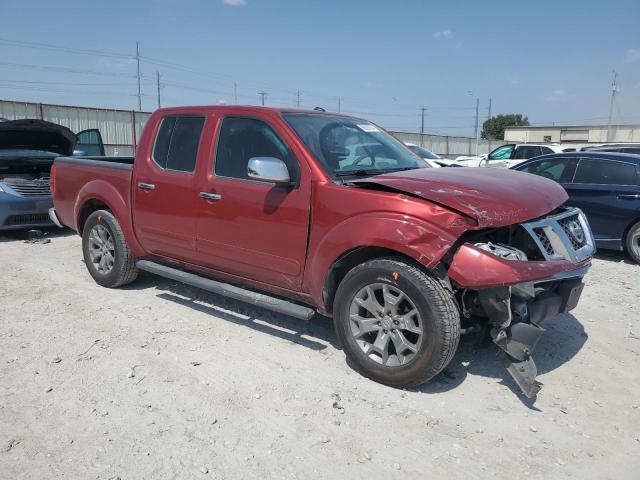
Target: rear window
[
  {"x": 176, "y": 145},
  {"x": 605, "y": 172}
]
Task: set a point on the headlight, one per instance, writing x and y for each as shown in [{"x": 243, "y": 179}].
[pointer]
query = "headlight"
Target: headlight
[{"x": 502, "y": 251}]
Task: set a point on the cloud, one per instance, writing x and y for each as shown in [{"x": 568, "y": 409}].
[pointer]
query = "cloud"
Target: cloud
[
  {"x": 558, "y": 95},
  {"x": 632, "y": 56},
  {"x": 446, "y": 33},
  {"x": 235, "y": 3}
]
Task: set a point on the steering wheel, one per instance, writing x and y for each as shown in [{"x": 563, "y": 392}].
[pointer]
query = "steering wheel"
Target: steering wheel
[{"x": 358, "y": 160}]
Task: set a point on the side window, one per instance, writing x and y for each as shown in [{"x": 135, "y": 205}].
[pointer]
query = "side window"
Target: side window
[
  {"x": 176, "y": 146},
  {"x": 560, "y": 170},
  {"x": 241, "y": 139},
  {"x": 546, "y": 150},
  {"x": 524, "y": 152},
  {"x": 605, "y": 172},
  {"x": 502, "y": 153}
]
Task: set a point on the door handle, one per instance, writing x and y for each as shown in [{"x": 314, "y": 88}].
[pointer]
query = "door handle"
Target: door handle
[
  {"x": 210, "y": 196},
  {"x": 628, "y": 196},
  {"x": 146, "y": 186}
]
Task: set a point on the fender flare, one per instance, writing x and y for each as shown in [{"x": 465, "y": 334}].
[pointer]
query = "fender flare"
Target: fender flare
[
  {"x": 416, "y": 238},
  {"x": 106, "y": 193}
]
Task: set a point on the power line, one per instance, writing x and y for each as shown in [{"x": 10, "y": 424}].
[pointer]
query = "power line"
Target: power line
[{"x": 57, "y": 48}]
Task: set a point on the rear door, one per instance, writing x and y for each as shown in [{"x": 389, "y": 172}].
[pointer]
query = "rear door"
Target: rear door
[
  {"x": 89, "y": 142},
  {"x": 254, "y": 229},
  {"x": 609, "y": 194},
  {"x": 164, "y": 188}
]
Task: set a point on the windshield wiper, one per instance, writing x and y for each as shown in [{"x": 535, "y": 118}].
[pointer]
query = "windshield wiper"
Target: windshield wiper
[{"x": 362, "y": 172}]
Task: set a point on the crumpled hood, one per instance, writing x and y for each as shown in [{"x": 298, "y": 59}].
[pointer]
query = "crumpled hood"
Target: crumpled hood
[
  {"x": 31, "y": 134},
  {"x": 493, "y": 197}
]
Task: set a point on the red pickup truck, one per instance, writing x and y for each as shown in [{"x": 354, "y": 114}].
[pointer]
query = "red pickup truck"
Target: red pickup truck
[{"x": 304, "y": 211}]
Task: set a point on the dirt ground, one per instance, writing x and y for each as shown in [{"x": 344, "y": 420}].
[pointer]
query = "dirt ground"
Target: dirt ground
[{"x": 159, "y": 381}]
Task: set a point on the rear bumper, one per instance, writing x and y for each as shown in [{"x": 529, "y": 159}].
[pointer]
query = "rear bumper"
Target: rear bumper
[
  {"x": 54, "y": 217},
  {"x": 18, "y": 212}
]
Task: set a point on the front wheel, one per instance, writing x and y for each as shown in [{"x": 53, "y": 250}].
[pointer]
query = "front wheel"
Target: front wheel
[
  {"x": 632, "y": 242},
  {"x": 397, "y": 324},
  {"x": 105, "y": 250}
]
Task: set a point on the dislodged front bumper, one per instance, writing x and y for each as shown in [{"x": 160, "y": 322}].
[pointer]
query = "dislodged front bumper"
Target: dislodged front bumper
[{"x": 518, "y": 295}]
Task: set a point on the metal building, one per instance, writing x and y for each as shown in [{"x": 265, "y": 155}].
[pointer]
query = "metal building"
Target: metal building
[
  {"x": 578, "y": 134},
  {"x": 120, "y": 129}
]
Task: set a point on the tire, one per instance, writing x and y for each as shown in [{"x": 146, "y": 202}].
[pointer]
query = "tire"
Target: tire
[
  {"x": 438, "y": 319},
  {"x": 632, "y": 242},
  {"x": 119, "y": 266}
]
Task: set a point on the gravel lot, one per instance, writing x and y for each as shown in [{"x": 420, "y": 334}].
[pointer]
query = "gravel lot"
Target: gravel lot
[{"x": 157, "y": 381}]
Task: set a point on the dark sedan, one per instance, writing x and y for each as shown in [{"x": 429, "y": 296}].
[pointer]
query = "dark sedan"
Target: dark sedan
[{"x": 606, "y": 186}]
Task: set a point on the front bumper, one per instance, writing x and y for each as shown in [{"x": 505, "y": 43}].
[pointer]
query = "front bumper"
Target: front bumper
[
  {"x": 17, "y": 212},
  {"x": 516, "y": 313}
]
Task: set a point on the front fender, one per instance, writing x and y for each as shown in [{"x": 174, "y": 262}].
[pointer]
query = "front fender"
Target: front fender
[
  {"x": 108, "y": 194},
  {"x": 414, "y": 237}
]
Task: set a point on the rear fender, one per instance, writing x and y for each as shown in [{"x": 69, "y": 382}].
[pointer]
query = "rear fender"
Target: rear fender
[
  {"x": 116, "y": 203},
  {"x": 418, "y": 239}
]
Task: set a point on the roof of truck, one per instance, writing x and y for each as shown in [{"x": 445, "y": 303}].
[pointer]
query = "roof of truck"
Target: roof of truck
[{"x": 248, "y": 108}]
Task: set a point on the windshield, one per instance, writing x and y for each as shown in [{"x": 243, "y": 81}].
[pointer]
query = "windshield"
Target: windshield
[
  {"x": 423, "y": 152},
  {"x": 18, "y": 152},
  {"x": 350, "y": 146}
]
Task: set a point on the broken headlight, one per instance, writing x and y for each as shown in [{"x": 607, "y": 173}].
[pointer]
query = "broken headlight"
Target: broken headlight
[{"x": 502, "y": 251}]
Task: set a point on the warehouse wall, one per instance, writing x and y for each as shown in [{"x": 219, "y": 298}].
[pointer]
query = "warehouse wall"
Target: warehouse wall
[{"x": 118, "y": 126}]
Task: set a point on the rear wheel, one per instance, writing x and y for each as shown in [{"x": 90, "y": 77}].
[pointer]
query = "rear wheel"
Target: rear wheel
[
  {"x": 397, "y": 324},
  {"x": 632, "y": 242},
  {"x": 106, "y": 254}
]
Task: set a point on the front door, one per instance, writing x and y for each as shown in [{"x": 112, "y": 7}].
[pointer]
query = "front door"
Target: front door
[
  {"x": 164, "y": 189},
  {"x": 254, "y": 229}
]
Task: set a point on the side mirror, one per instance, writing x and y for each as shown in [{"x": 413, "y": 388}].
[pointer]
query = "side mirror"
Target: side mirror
[
  {"x": 268, "y": 169},
  {"x": 79, "y": 153}
]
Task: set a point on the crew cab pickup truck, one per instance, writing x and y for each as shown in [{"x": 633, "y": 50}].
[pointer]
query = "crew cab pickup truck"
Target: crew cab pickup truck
[{"x": 304, "y": 211}]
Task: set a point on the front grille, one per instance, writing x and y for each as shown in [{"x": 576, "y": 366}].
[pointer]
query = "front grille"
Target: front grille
[
  {"x": 29, "y": 188},
  {"x": 577, "y": 240},
  {"x": 562, "y": 235},
  {"x": 28, "y": 219},
  {"x": 544, "y": 240}
]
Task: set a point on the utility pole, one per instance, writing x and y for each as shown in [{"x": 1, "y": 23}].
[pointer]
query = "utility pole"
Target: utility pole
[
  {"x": 139, "y": 84},
  {"x": 614, "y": 91},
  {"x": 476, "y": 132},
  {"x": 158, "y": 86},
  {"x": 489, "y": 114},
  {"x": 262, "y": 95},
  {"x": 235, "y": 92},
  {"x": 339, "y": 103},
  {"x": 423, "y": 109},
  {"x": 298, "y": 99}
]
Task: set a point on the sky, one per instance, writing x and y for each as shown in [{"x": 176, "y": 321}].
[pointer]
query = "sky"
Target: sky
[{"x": 385, "y": 60}]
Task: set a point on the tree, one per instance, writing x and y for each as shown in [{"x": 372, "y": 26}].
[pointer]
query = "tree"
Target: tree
[{"x": 493, "y": 128}]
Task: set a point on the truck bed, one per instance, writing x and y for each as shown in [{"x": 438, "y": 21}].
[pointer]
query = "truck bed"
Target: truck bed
[{"x": 107, "y": 178}]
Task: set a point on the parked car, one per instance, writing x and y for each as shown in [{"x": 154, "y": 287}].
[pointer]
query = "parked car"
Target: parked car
[
  {"x": 261, "y": 205},
  {"x": 431, "y": 158},
  {"x": 512, "y": 154},
  {"x": 27, "y": 150},
  {"x": 605, "y": 186},
  {"x": 614, "y": 147}
]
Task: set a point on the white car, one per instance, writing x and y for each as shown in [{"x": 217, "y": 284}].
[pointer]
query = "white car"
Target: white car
[
  {"x": 428, "y": 156},
  {"x": 510, "y": 155}
]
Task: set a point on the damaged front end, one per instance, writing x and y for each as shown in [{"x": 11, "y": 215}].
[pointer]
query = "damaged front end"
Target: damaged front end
[{"x": 517, "y": 277}]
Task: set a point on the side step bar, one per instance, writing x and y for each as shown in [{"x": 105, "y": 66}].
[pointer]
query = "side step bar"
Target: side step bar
[{"x": 226, "y": 290}]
